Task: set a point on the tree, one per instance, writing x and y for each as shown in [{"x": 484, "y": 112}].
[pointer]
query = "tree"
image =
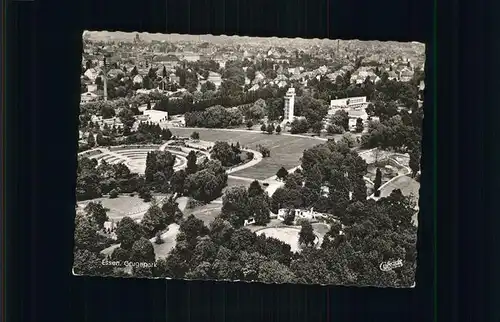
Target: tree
[
  {"x": 255, "y": 189},
  {"x": 134, "y": 72},
  {"x": 249, "y": 124},
  {"x": 359, "y": 188},
  {"x": 266, "y": 153},
  {"x": 414, "y": 162},
  {"x": 207, "y": 86},
  {"x": 270, "y": 129},
  {"x": 377, "y": 182},
  {"x": 171, "y": 211},
  {"x": 275, "y": 272},
  {"x": 263, "y": 127},
  {"x": 86, "y": 237},
  {"x": 317, "y": 127},
  {"x": 191, "y": 166},
  {"x": 91, "y": 140},
  {"x": 206, "y": 185},
  {"x": 86, "y": 262},
  {"x": 359, "y": 125},
  {"x": 282, "y": 173},
  {"x": 166, "y": 134},
  {"x": 278, "y": 129},
  {"x": 225, "y": 153},
  {"x": 306, "y": 235},
  {"x": 158, "y": 239},
  {"x": 193, "y": 228},
  {"x": 289, "y": 217},
  {"x": 127, "y": 232},
  {"x": 97, "y": 212},
  {"x": 142, "y": 251},
  {"x": 260, "y": 209},
  {"x": 236, "y": 206},
  {"x": 113, "y": 194},
  {"x": 153, "y": 220},
  {"x": 177, "y": 181},
  {"x": 299, "y": 126},
  {"x": 221, "y": 231},
  {"x": 107, "y": 111},
  {"x": 195, "y": 136}
]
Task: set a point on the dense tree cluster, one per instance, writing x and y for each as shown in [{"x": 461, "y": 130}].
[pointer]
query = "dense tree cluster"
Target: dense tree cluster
[
  {"x": 228, "y": 154},
  {"x": 94, "y": 180},
  {"x": 214, "y": 117},
  {"x": 159, "y": 170},
  {"x": 330, "y": 165},
  {"x": 379, "y": 231},
  {"x": 207, "y": 183},
  {"x": 148, "y": 132}
]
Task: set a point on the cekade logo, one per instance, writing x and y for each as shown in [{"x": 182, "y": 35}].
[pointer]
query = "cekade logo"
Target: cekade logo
[{"x": 390, "y": 265}]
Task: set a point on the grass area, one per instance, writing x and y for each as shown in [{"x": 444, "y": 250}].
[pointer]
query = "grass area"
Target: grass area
[
  {"x": 289, "y": 235},
  {"x": 387, "y": 172},
  {"x": 285, "y": 150},
  {"x": 406, "y": 184},
  {"x": 207, "y": 212},
  {"x": 162, "y": 250},
  {"x": 231, "y": 182},
  {"x": 122, "y": 206}
]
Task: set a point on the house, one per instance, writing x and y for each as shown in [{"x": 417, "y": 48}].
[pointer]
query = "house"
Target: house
[
  {"x": 92, "y": 73},
  {"x": 137, "y": 79},
  {"x": 303, "y": 214},
  {"x": 215, "y": 78},
  {"x": 91, "y": 88},
  {"x": 259, "y": 77},
  {"x": 405, "y": 75},
  {"x": 392, "y": 75},
  {"x": 191, "y": 57},
  {"x": 174, "y": 79},
  {"x": 88, "y": 97},
  {"x": 254, "y": 88}
]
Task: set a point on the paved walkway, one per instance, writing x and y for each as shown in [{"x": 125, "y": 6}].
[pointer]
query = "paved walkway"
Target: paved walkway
[{"x": 389, "y": 186}]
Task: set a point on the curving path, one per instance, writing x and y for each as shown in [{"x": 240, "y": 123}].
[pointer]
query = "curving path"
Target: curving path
[{"x": 391, "y": 183}]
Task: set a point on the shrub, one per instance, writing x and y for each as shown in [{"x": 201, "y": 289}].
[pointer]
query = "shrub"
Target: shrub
[
  {"x": 113, "y": 194},
  {"x": 158, "y": 239},
  {"x": 193, "y": 203}
]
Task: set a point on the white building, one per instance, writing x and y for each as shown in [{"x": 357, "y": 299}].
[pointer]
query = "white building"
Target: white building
[
  {"x": 88, "y": 97},
  {"x": 156, "y": 116},
  {"x": 307, "y": 214},
  {"x": 350, "y": 102}
]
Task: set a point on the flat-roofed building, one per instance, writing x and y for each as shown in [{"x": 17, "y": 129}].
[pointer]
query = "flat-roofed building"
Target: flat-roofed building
[{"x": 350, "y": 102}]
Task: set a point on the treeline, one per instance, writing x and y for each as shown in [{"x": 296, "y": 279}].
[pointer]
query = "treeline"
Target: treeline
[
  {"x": 188, "y": 104},
  {"x": 214, "y": 117},
  {"x": 93, "y": 179}
]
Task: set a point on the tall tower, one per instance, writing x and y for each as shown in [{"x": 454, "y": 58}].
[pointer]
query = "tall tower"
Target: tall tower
[
  {"x": 289, "y": 105},
  {"x": 105, "y": 80}
]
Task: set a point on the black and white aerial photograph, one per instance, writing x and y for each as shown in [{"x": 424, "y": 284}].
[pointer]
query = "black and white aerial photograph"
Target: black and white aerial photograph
[{"x": 246, "y": 159}]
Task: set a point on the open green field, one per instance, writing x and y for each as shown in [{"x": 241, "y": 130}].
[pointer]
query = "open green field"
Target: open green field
[
  {"x": 285, "y": 150},
  {"x": 207, "y": 212},
  {"x": 122, "y": 206},
  {"x": 406, "y": 184}
]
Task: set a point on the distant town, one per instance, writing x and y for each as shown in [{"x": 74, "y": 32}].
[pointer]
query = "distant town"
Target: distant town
[{"x": 258, "y": 159}]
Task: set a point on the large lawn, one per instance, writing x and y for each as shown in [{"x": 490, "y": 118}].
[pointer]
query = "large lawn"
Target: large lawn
[
  {"x": 407, "y": 185},
  {"x": 285, "y": 150},
  {"x": 206, "y": 213},
  {"x": 122, "y": 206}
]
